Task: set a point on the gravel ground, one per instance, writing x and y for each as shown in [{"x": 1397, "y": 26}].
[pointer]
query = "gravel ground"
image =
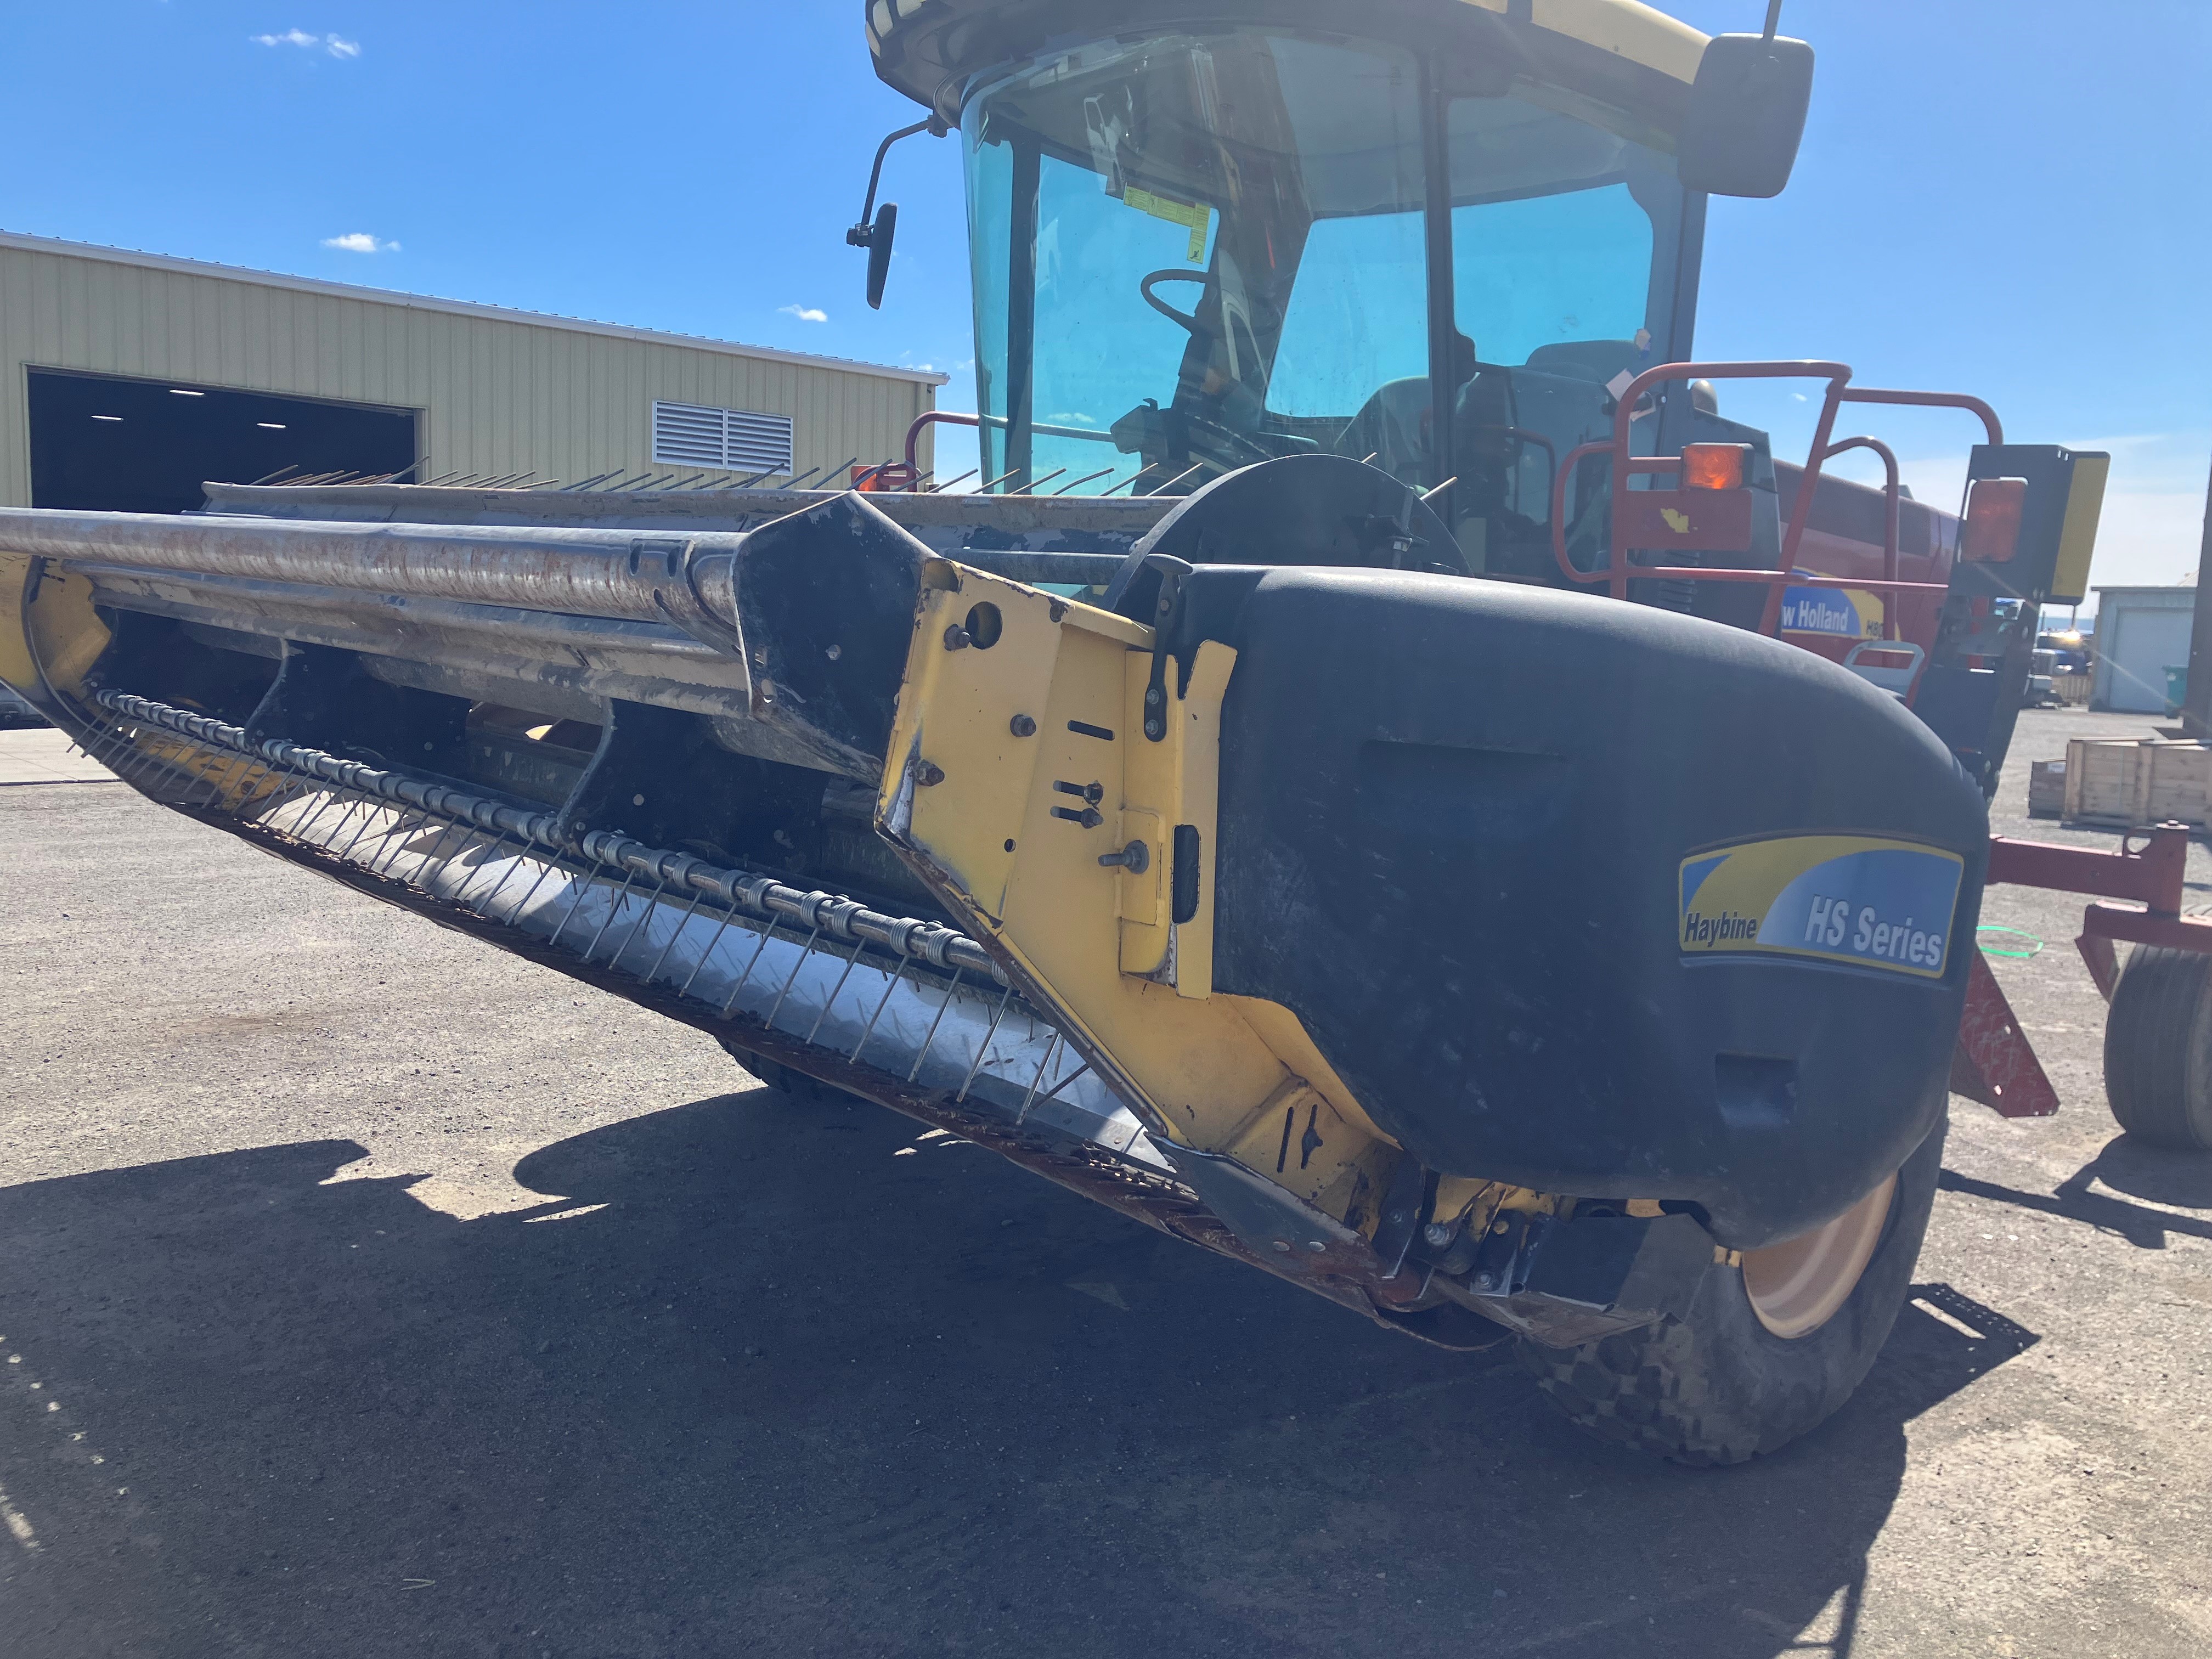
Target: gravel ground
[{"x": 364, "y": 1292}]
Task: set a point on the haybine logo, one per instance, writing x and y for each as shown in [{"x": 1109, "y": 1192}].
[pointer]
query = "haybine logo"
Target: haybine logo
[
  {"x": 1708, "y": 931},
  {"x": 1876, "y": 904}
]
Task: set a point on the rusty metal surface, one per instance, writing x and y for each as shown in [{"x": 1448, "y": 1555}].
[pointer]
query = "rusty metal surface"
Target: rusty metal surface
[{"x": 1994, "y": 1063}]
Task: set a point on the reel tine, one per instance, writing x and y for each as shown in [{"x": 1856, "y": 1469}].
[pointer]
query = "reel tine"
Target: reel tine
[
  {"x": 983, "y": 1047},
  {"x": 806, "y": 952},
  {"x": 889, "y": 991},
  {"x": 951, "y": 991}
]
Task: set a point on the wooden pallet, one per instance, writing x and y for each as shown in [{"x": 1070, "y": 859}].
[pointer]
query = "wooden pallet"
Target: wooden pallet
[
  {"x": 2046, "y": 789},
  {"x": 2131, "y": 784}
]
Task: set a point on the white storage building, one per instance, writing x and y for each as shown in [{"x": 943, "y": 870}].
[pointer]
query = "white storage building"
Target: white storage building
[{"x": 2140, "y": 633}]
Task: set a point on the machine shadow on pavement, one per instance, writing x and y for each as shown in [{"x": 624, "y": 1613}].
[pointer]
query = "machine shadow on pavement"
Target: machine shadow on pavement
[
  {"x": 671, "y": 1411},
  {"x": 2158, "y": 1176}
]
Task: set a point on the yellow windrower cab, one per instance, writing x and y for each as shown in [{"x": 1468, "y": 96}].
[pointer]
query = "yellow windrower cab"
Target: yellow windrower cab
[{"x": 1265, "y": 836}]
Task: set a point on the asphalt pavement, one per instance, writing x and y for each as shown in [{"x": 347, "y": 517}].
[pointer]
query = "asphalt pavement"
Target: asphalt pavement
[{"x": 366, "y": 1292}]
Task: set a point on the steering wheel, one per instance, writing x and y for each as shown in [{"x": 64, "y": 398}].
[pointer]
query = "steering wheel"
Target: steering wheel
[
  {"x": 1226, "y": 441},
  {"x": 1187, "y": 319}
]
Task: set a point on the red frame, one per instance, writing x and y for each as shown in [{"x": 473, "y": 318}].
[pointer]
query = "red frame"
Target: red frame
[
  {"x": 1619, "y": 572},
  {"x": 2150, "y": 874}
]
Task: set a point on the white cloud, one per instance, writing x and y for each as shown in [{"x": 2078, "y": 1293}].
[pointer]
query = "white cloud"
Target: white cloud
[
  {"x": 336, "y": 45},
  {"x": 804, "y": 314},
  {"x": 359, "y": 241}
]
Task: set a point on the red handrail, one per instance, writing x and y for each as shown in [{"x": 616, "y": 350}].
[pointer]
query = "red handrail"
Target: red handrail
[
  {"x": 1892, "y": 494},
  {"x": 1618, "y": 572},
  {"x": 932, "y": 417}
]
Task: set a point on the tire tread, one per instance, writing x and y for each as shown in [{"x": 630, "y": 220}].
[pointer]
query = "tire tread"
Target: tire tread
[
  {"x": 2155, "y": 1039},
  {"x": 1713, "y": 1388}
]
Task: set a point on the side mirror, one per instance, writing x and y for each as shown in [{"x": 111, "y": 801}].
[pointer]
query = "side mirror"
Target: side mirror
[
  {"x": 876, "y": 234},
  {"x": 1745, "y": 116},
  {"x": 881, "y": 234}
]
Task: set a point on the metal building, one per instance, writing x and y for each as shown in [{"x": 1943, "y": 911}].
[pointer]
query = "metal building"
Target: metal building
[
  {"x": 2142, "y": 632},
  {"x": 134, "y": 378}
]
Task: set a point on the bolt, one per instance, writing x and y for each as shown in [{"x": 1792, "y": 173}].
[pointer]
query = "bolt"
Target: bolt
[
  {"x": 1021, "y": 726},
  {"x": 1316, "y": 1246},
  {"x": 1136, "y": 857},
  {"x": 929, "y": 774},
  {"x": 1152, "y": 696},
  {"x": 637, "y": 800},
  {"x": 1486, "y": 1281},
  {"x": 835, "y": 652},
  {"x": 1283, "y": 1245},
  {"x": 956, "y": 638},
  {"x": 1438, "y": 1233}
]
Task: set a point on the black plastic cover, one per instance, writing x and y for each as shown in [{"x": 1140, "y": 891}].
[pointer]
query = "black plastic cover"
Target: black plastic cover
[{"x": 1455, "y": 819}]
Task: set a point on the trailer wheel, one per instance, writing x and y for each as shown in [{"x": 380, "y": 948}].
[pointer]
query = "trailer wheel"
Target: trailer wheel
[
  {"x": 2158, "y": 1048},
  {"x": 1768, "y": 1350}
]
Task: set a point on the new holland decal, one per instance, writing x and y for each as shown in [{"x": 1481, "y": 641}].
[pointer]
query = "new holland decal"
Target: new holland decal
[{"x": 1843, "y": 898}]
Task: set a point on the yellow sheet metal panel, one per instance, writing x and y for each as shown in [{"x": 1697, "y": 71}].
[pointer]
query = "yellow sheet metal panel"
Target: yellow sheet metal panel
[
  {"x": 16, "y": 668},
  {"x": 495, "y": 391},
  {"x": 976, "y": 718},
  {"x": 48, "y": 627},
  {"x": 1013, "y": 770},
  {"x": 2077, "y": 537}
]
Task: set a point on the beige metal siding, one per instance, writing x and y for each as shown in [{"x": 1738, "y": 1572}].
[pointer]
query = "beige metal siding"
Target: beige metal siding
[{"x": 495, "y": 395}]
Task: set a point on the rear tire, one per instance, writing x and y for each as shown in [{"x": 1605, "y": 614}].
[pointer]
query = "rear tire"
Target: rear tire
[
  {"x": 2158, "y": 1048},
  {"x": 1719, "y": 1386}
]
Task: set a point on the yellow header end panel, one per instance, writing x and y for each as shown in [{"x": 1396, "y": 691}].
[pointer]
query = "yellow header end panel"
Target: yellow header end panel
[
  {"x": 16, "y": 668},
  {"x": 981, "y": 674},
  {"x": 1018, "y": 782},
  {"x": 46, "y": 623},
  {"x": 1168, "y": 787}
]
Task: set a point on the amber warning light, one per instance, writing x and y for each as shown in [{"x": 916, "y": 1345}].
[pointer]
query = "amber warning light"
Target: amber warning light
[
  {"x": 1714, "y": 466},
  {"x": 1993, "y": 514}
]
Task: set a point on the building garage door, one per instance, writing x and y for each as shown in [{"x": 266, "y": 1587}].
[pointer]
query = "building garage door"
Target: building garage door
[
  {"x": 113, "y": 444},
  {"x": 2142, "y": 644}
]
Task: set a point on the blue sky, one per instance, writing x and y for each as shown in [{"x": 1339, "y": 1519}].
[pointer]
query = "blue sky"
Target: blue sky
[{"x": 2004, "y": 197}]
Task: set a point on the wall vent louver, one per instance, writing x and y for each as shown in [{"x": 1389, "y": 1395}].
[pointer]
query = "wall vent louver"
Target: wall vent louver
[{"x": 738, "y": 440}]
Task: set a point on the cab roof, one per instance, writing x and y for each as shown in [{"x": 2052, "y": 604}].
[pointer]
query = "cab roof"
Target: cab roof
[{"x": 929, "y": 49}]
